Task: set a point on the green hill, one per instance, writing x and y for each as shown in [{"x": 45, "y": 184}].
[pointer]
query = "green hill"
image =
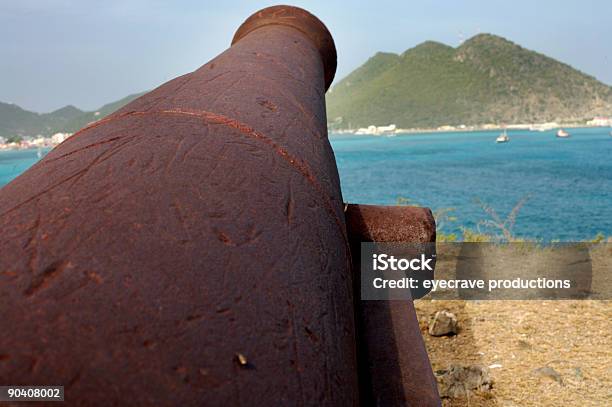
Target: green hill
[
  {"x": 88, "y": 117},
  {"x": 487, "y": 79},
  {"x": 15, "y": 121}
]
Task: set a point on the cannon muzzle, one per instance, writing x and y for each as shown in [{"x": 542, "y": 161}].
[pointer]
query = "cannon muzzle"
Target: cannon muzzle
[{"x": 191, "y": 248}]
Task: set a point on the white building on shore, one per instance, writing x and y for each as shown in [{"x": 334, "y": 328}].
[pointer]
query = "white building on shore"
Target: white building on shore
[
  {"x": 600, "y": 121},
  {"x": 377, "y": 130},
  {"x": 58, "y": 138}
]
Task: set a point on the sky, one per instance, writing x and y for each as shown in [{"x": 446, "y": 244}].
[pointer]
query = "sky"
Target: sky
[{"x": 88, "y": 53}]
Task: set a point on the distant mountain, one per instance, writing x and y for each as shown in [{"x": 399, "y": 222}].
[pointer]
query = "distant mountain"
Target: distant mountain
[
  {"x": 15, "y": 121},
  {"x": 487, "y": 79},
  {"x": 88, "y": 117}
]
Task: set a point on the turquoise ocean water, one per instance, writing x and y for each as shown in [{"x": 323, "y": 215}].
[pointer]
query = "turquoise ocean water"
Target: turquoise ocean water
[
  {"x": 568, "y": 181},
  {"x": 14, "y": 162}
]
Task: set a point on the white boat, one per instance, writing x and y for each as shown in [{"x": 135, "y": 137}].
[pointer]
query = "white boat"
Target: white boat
[
  {"x": 562, "y": 133},
  {"x": 503, "y": 138}
]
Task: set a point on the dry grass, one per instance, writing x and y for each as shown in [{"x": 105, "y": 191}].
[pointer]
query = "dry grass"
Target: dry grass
[{"x": 572, "y": 337}]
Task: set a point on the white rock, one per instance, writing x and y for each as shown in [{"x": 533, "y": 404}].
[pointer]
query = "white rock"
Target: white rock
[{"x": 443, "y": 323}]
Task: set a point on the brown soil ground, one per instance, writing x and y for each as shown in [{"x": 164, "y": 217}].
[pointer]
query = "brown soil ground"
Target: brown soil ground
[{"x": 572, "y": 337}]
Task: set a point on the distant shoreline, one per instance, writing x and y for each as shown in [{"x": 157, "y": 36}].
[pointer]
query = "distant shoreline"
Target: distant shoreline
[
  {"x": 413, "y": 131},
  {"x": 468, "y": 129}
]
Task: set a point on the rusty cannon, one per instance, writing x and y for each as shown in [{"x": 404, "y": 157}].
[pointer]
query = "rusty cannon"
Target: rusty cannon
[{"x": 193, "y": 248}]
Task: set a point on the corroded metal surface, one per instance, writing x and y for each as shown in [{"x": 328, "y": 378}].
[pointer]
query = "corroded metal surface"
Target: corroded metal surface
[
  {"x": 375, "y": 223},
  {"x": 300, "y": 20},
  {"x": 191, "y": 248},
  {"x": 394, "y": 369}
]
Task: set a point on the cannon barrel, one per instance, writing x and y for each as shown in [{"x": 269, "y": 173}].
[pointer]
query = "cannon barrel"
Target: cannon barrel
[{"x": 191, "y": 248}]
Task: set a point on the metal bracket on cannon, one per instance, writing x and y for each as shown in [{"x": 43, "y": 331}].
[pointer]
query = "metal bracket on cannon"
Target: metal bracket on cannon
[{"x": 394, "y": 368}]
